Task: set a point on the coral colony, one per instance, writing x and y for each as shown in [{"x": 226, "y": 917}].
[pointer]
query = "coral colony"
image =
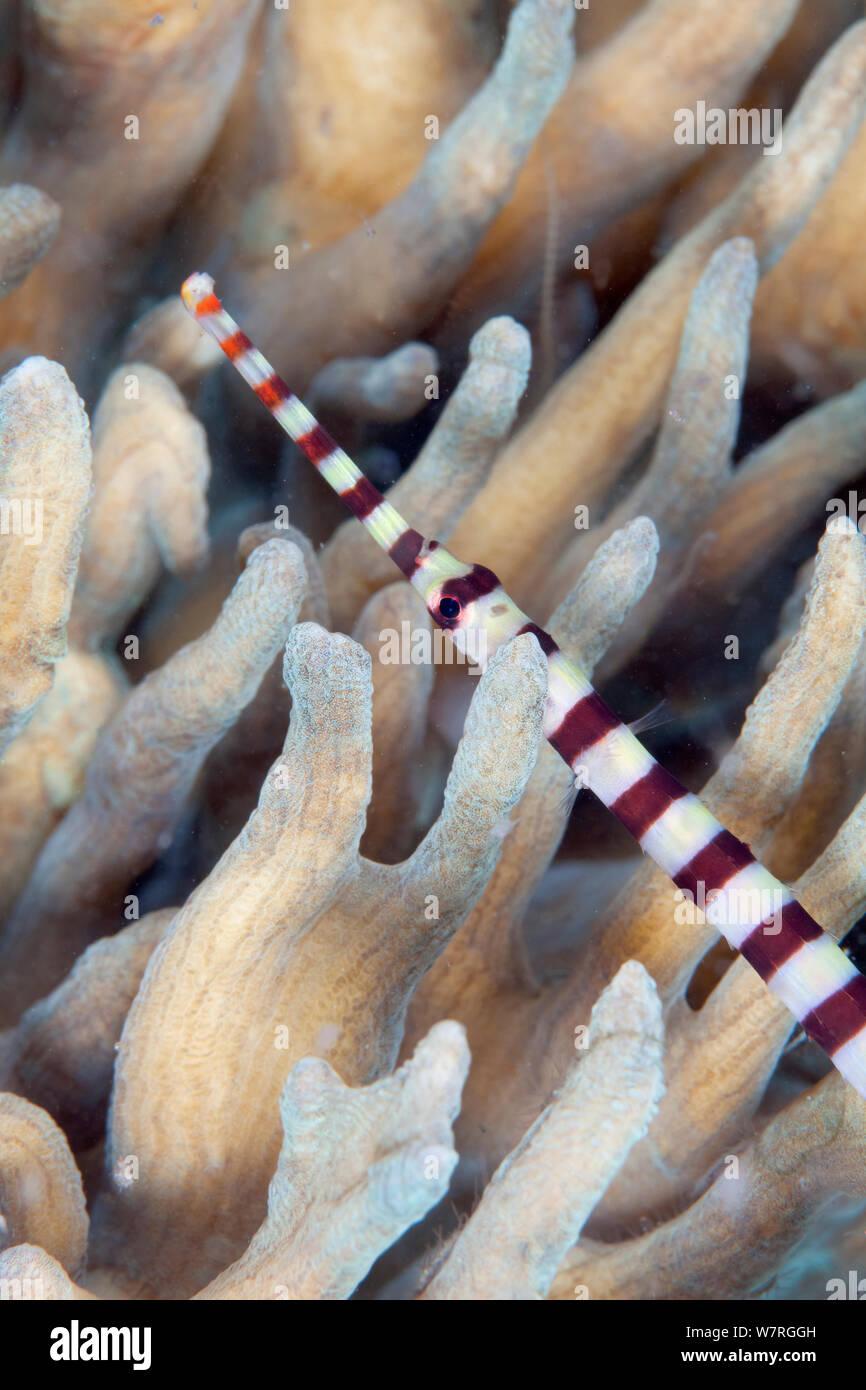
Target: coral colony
[
  {"x": 760, "y": 918},
  {"x": 319, "y": 978}
]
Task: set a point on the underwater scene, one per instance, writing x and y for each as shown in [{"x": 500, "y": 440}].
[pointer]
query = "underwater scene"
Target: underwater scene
[{"x": 432, "y": 794}]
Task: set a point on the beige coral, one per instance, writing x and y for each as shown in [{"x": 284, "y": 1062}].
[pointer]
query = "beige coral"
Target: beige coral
[
  {"x": 28, "y": 224},
  {"x": 147, "y": 511},
  {"x": 811, "y": 306},
  {"x": 45, "y": 481},
  {"x": 29, "y": 1273},
  {"x": 296, "y": 905},
  {"x": 353, "y": 287},
  {"x": 156, "y": 96},
  {"x": 601, "y": 410},
  {"x": 537, "y": 1201},
  {"x": 150, "y": 475},
  {"x": 40, "y": 1187},
  {"x": 690, "y": 464},
  {"x": 361, "y": 1165},
  {"x": 236, "y": 1054},
  {"x": 517, "y": 1031},
  {"x": 812, "y": 1152},
  {"x": 42, "y": 772},
  {"x": 61, "y": 1053},
  {"x": 143, "y": 767},
  {"x": 622, "y": 97}
]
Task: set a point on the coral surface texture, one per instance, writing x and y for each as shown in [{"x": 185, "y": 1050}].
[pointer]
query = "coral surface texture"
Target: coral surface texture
[{"x": 323, "y": 976}]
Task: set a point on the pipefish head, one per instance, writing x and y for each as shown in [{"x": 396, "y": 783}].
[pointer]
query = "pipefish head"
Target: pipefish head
[{"x": 468, "y": 601}]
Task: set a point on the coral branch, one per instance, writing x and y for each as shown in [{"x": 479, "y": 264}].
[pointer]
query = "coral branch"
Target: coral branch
[
  {"x": 613, "y": 583},
  {"x": 168, "y": 339},
  {"x": 156, "y": 96},
  {"x": 27, "y": 1273},
  {"x": 356, "y": 1169},
  {"x": 150, "y": 469},
  {"x": 42, "y": 772},
  {"x": 536, "y": 1203},
  {"x": 363, "y": 291},
  {"x": 142, "y": 770},
  {"x": 317, "y": 950},
  {"x": 606, "y": 405},
  {"x": 40, "y": 1188},
  {"x": 691, "y": 459},
  {"x": 28, "y": 224},
  {"x": 622, "y": 98},
  {"x": 836, "y": 882},
  {"x": 815, "y": 1149},
  {"x": 831, "y": 785},
  {"x": 45, "y": 484},
  {"x": 447, "y": 471},
  {"x": 811, "y": 308},
  {"x": 772, "y": 492},
  {"x": 374, "y": 388},
  {"x": 765, "y": 769},
  {"x": 401, "y": 694},
  {"x": 150, "y": 474},
  {"x": 234, "y": 771},
  {"x": 298, "y": 849},
  {"x": 61, "y": 1055}
]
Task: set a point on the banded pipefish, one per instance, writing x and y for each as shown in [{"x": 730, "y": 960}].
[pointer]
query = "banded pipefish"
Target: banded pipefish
[{"x": 756, "y": 913}]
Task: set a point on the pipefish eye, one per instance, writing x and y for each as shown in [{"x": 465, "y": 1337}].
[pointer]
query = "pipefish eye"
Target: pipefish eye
[{"x": 449, "y": 607}]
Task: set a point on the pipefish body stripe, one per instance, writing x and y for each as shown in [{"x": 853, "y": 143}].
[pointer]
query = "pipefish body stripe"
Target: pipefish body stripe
[{"x": 756, "y": 913}]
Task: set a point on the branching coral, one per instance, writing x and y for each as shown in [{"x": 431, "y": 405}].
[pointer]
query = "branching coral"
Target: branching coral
[
  {"x": 143, "y": 767},
  {"x": 362, "y": 1165},
  {"x": 385, "y": 278},
  {"x": 811, "y": 305},
  {"x": 621, "y": 98},
  {"x": 40, "y": 1188},
  {"x": 28, "y": 224},
  {"x": 45, "y": 481},
  {"x": 512, "y": 1247},
  {"x": 776, "y": 1187},
  {"x": 150, "y": 473},
  {"x": 156, "y": 95},
  {"x": 61, "y": 1054},
  {"x": 42, "y": 772},
  {"x": 690, "y": 463},
  {"x": 150, "y": 470},
  {"x": 609, "y": 402},
  {"x": 357, "y": 935},
  {"x": 309, "y": 1015},
  {"x": 793, "y": 475},
  {"x": 370, "y": 388},
  {"x": 28, "y": 1273}
]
